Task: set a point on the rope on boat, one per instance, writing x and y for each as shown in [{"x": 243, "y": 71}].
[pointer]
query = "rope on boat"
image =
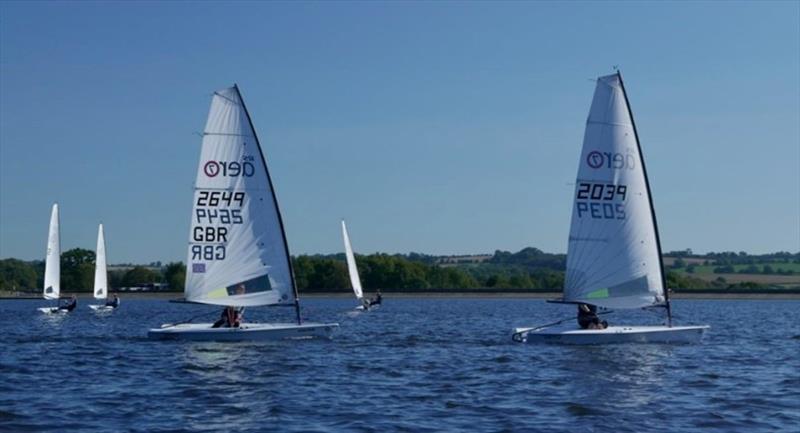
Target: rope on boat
[{"x": 170, "y": 325}]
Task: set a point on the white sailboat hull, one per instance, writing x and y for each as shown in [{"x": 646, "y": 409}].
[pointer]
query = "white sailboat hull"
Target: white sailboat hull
[
  {"x": 247, "y": 332},
  {"x": 101, "y": 307},
  {"x": 52, "y": 310},
  {"x": 610, "y": 335}
]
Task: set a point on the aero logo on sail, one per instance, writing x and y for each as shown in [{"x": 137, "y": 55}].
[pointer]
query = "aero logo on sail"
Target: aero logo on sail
[
  {"x": 597, "y": 159},
  {"x": 229, "y": 168}
]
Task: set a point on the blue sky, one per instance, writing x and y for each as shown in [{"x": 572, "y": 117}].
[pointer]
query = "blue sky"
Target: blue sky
[{"x": 441, "y": 127}]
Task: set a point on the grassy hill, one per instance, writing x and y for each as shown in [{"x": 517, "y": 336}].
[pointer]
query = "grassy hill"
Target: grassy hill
[{"x": 780, "y": 272}]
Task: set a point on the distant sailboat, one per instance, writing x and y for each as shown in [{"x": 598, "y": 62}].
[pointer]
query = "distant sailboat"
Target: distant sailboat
[
  {"x": 352, "y": 269},
  {"x": 237, "y": 255},
  {"x": 101, "y": 274},
  {"x": 52, "y": 264},
  {"x": 614, "y": 253}
]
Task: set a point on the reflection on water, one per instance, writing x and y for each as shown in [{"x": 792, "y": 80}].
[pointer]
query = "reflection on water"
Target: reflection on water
[{"x": 626, "y": 376}]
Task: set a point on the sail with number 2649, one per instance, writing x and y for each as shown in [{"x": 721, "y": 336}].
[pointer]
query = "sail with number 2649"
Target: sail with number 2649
[{"x": 237, "y": 252}]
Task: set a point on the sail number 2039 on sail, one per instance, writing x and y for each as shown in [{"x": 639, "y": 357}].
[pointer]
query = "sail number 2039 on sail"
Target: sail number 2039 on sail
[
  {"x": 601, "y": 200},
  {"x": 212, "y": 208}
]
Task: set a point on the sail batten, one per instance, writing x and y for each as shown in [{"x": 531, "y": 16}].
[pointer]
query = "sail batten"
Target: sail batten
[
  {"x": 613, "y": 257},
  {"x": 237, "y": 253},
  {"x": 52, "y": 266}
]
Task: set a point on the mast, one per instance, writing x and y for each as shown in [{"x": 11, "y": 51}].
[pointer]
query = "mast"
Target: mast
[
  {"x": 277, "y": 208},
  {"x": 652, "y": 208}
]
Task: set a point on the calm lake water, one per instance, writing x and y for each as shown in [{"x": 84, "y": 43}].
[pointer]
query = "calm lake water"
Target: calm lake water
[{"x": 414, "y": 365}]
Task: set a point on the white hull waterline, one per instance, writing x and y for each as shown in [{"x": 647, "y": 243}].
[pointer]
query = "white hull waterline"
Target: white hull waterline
[
  {"x": 52, "y": 310},
  {"x": 610, "y": 335},
  {"x": 246, "y": 332},
  {"x": 101, "y": 307}
]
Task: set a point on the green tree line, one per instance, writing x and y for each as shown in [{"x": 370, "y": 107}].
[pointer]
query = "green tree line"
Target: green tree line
[
  {"x": 77, "y": 274},
  {"x": 528, "y": 269}
]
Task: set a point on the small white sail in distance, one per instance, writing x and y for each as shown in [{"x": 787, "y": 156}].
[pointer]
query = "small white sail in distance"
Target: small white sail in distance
[
  {"x": 613, "y": 257},
  {"x": 100, "y": 274},
  {"x": 352, "y": 269},
  {"x": 52, "y": 266},
  {"x": 237, "y": 252}
]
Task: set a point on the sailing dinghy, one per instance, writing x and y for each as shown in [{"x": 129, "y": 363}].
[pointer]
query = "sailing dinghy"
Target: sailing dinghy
[
  {"x": 52, "y": 265},
  {"x": 352, "y": 270},
  {"x": 238, "y": 255},
  {"x": 100, "y": 274},
  {"x": 614, "y": 252}
]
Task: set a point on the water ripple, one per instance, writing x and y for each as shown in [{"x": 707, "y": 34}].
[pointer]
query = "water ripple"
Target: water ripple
[{"x": 415, "y": 365}]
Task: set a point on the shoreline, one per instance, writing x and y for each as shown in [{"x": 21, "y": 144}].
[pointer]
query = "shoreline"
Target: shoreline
[{"x": 442, "y": 295}]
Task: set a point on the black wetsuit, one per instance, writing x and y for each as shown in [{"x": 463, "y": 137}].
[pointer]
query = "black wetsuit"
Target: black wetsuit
[
  {"x": 113, "y": 303},
  {"x": 376, "y": 301},
  {"x": 225, "y": 318},
  {"x": 588, "y": 318},
  {"x": 69, "y": 307}
]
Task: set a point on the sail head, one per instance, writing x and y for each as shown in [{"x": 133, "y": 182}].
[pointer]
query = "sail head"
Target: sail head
[
  {"x": 237, "y": 252},
  {"x": 613, "y": 257}
]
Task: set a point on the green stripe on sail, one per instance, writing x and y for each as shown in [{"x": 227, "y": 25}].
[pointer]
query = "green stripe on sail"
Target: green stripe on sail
[
  {"x": 217, "y": 293},
  {"x": 599, "y": 293}
]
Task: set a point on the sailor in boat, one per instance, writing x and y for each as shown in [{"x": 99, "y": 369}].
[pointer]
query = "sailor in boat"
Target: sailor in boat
[
  {"x": 70, "y": 305},
  {"x": 588, "y": 318},
  {"x": 376, "y": 300},
  {"x": 231, "y": 317},
  {"x": 113, "y": 303}
]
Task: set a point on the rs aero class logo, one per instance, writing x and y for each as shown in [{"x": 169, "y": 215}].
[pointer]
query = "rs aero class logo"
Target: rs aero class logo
[
  {"x": 597, "y": 159},
  {"x": 244, "y": 168}
]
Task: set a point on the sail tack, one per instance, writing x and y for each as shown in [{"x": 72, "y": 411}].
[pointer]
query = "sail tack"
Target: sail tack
[
  {"x": 352, "y": 269},
  {"x": 100, "y": 274},
  {"x": 52, "y": 266},
  {"x": 237, "y": 252},
  {"x": 613, "y": 257}
]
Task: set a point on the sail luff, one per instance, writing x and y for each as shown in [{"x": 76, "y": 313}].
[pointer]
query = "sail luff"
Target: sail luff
[
  {"x": 52, "y": 267},
  {"x": 100, "y": 274},
  {"x": 352, "y": 269}
]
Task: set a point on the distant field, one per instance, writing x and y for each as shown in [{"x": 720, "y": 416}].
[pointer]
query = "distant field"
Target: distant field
[
  {"x": 709, "y": 269},
  {"x": 782, "y": 280},
  {"x": 668, "y": 261}
]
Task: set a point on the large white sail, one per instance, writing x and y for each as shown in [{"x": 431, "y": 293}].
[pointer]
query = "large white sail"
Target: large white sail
[
  {"x": 52, "y": 264},
  {"x": 613, "y": 258},
  {"x": 100, "y": 274},
  {"x": 352, "y": 269},
  {"x": 237, "y": 251}
]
